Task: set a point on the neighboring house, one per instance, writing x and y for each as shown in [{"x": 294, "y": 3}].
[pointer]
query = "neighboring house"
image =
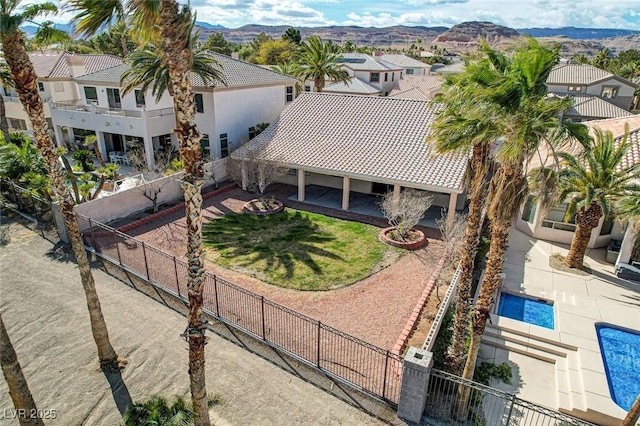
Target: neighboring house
[
  {"x": 589, "y": 107},
  {"x": 583, "y": 79},
  {"x": 363, "y": 144},
  {"x": 417, "y": 87},
  {"x": 226, "y": 115},
  {"x": 55, "y": 71},
  {"x": 411, "y": 66},
  {"x": 553, "y": 226}
]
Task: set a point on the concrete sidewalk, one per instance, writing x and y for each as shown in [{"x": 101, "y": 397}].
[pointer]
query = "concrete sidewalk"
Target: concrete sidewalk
[{"x": 45, "y": 313}]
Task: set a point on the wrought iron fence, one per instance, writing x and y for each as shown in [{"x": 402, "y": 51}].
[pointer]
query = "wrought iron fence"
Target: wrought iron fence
[
  {"x": 369, "y": 368},
  {"x": 27, "y": 202},
  {"x": 485, "y": 406}
]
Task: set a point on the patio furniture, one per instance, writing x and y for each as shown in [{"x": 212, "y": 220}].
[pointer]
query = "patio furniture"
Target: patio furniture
[{"x": 118, "y": 157}]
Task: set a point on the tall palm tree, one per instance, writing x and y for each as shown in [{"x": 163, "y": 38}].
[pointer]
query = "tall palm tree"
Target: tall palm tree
[
  {"x": 527, "y": 117},
  {"x": 24, "y": 80},
  {"x": 288, "y": 68},
  {"x": 594, "y": 183},
  {"x": 18, "y": 388},
  {"x": 462, "y": 126},
  {"x": 317, "y": 61}
]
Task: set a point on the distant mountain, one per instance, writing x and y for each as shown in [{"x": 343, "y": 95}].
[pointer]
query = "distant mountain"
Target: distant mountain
[
  {"x": 577, "y": 33},
  {"x": 30, "y": 30},
  {"x": 208, "y": 26},
  {"x": 471, "y": 32}
]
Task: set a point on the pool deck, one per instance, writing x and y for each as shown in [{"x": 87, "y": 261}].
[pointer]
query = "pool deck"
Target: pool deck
[{"x": 561, "y": 368}]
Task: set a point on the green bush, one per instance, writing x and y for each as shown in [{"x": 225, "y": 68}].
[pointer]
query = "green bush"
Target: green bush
[
  {"x": 443, "y": 339},
  {"x": 487, "y": 370}
]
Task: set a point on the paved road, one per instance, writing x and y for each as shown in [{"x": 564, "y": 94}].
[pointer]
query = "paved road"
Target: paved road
[{"x": 43, "y": 307}]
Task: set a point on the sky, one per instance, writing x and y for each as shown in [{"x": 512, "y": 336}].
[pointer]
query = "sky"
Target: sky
[{"x": 621, "y": 14}]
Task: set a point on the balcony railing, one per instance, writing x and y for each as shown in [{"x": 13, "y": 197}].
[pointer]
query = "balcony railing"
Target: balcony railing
[
  {"x": 160, "y": 112},
  {"x": 118, "y": 112},
  {"x": 563, "y": 226}
]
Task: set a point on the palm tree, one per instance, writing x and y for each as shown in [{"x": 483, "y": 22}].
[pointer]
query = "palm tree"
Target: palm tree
[
  {"x": 158, "y": 412},
  {"x": 462, "y": 126},
  {"x": 18, "y": 388},
  {"x": 594, "y": 183},
  {"x": 16, "y": 159},
  {"x": 526, "y": 117},
  {"x": 288, "y": 68},
  {"x": 5, "y": 82},
  {"x": 317, "y": 61},
  {"x": 94, "y": 15},
  {"x": 24, "y": 80}
]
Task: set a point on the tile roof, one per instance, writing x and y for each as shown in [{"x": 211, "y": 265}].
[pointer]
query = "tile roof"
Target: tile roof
[
  {"x": 356, "y": 86},
  {"x": 593, "y": 106},
  {"x": 54, "y": 64},
  {"x": 411, "y": 93},
  {"x": 425, "y": 84},
  {"x": 617, "y": 126},
  {"x": 371, "y": 138},
  {"x": 238, "y": 73},
  {"x": 404, "y": 61},
  {"x": 364, "y": 62},
  {"x": 576, "y": 74}
]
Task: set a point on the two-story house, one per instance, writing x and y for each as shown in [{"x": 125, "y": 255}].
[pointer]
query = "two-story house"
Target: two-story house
[
  {"x": 369, "y": 75},
  {"x": 226, "y": 115},
  {"x": 584, "y": 80},
  {"x": 55, "y": 71}
]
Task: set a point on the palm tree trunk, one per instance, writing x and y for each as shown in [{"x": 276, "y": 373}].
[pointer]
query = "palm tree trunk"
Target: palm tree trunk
[
  {"x": 177, "y": 57},
  {"x": 18, "y": 388},
  {"x": 586, "y": 221},
  {"x": 4, "y": 125},
  {"x": 457, "y": 350},
  {"x": 508, "y": 190},
  {"x": 24, "y": 78},
  {"x": 633, "y": 415}
]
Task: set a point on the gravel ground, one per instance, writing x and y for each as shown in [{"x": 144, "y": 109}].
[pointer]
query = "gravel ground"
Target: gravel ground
[
  {"x": 45, "y": 313},
  {"x": 374, "y": 309}
]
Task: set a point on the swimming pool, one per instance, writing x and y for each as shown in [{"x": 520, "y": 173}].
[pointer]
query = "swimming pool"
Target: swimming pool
[
  {"x": 532, "y": 311},
  {"x": 620, "y": 350}
]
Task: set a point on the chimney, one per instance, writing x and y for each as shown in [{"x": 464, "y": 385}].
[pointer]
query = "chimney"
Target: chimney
[
  {"x": 76, "y": 65},
  {"x": 235, "y": 55},
  {"x": 377, "y": 55}
]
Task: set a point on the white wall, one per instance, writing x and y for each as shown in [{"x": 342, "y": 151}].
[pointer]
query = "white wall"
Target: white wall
[{"x": 625, "y": 92}]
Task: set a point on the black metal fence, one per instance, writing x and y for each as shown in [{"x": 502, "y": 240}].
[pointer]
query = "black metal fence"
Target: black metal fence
[
  {"x": 367, "y": 367},
  {"x": 26, "y": 202},
  {"x": 485, "y": 406}
]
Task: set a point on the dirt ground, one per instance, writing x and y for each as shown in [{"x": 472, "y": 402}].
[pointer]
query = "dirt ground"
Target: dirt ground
[
  {"x": 44, "y": 310},
  {"x": 374, "y": 309}
]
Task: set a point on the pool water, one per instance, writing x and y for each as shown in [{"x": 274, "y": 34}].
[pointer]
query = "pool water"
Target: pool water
[
  {"x": 620, "y": 349},
  {"x": 537, "y": 312}
]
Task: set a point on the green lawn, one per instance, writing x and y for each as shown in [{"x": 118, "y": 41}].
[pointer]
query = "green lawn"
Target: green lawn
[{"x": 297, "y": 249}]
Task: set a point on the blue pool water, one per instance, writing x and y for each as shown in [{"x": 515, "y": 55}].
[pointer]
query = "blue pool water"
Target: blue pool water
[
  {"x": 620, "y": 349},
  {"x": 524, "y": 309}
]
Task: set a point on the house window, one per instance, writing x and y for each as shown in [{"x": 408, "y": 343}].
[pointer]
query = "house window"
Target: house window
[
  {"x": 409, "y": 71},
  {"x": 610, "y": 91},
  {"x": 307, "y": 88},
  {"x": 164, "y": 142},
  {"x": 386, "y": 76},
  {"x": 205, "y": 148},
  {"x": 199, "y": 103},
  {"x": 375, "y": 77},
  {"x": 17, "y": 124},
  {"x": 91, "y": 94},
  {"x": 58, "y": 86},
  {"x": 252, "y": 132},
  {"x": 139, "y": 98},
  {"x": 113, "y": 97},
  {"x": 401, "y": 74},
  {"x": 529, "y": 211},
  {"x": 289, "y": 93},
  {"x": 575, "y": 88},
  {"x": 607, "y": 225},
  {"x": 224, "y": 145},
  {"x": 393, "y": 75},
  {"x": 41, "y": 86}
]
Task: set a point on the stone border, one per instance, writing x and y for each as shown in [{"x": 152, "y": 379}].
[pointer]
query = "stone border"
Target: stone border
[
  {"x": 413, "y": 245},
  {"x": 248, "y": 210},
  {"x": 413, "y": 319},
  {"x": 171, "y": 210},
  {"x": 444, "y": 307}
]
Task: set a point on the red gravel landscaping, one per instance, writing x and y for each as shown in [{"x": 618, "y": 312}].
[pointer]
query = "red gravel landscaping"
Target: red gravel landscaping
[{"x": 375, "y": 309}]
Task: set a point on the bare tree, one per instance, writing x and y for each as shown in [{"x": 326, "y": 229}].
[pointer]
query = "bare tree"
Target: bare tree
[
  {"x": 165, "y": 163},
  {"x": 255, "y": 174},
  {"x": 405, "y": 211},
  {"x": 452, "y": 234}
]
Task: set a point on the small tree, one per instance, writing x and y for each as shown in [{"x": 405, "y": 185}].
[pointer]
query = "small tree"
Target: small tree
[
  {"x": 84, "y": 157},
  {"x": 255, "y": 174},
  {"x": 405, "y": 211},
  {"x": 164, "y": 164},
  {"x": 452, "y": 233},
  {"x": 91, "y": 142}
]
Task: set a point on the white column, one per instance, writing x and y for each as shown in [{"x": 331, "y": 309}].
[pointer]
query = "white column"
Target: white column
[
  {"x": 301, "y": 185},
  {"x": 148, "y": 152},
  {"x": 452, "y": 208},
  {"x": 102, "y": 145},
  {"x": 57, "y": 130},
  {"x": 346, "y": 189},
  {"x": 628, "y": 241},
  {"x": 396, "y": 194},
  {"x": 244, "y": 177}
]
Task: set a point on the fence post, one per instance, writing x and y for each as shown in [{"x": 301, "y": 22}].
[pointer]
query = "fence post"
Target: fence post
[
  {"x": 115, "y": 237},
  {"x": 146, "y": 265},
  {"x": 513, "y": 401},
  {"x": 318, "y": 349},
  {"x": 175, "y": 268},
  {"x": 215, "y": 291},
  {"x": 93, "y": 236},
  {"x": 416, "y": 370},
  {"x": 384, "y": 378},
  {"x": 262, "y": 314}
]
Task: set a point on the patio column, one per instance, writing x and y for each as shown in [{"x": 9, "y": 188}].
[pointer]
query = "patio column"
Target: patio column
[
  {"x": 245, "y": 178},
  {"x": 346, "y": 189},
  {"x": 628, "y": 242},
  {"x": 452, "y": 208},
  {"x": 301, "y": 185},
  {"x": 396, "y": 194},
  {"x": 149, "y": 152},
  {"x": 57, "y": 131},
  {"x": 102, "y": 146}
]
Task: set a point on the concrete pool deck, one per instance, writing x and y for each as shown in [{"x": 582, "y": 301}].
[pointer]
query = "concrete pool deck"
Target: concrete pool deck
[{"x": 561, "y": 368}]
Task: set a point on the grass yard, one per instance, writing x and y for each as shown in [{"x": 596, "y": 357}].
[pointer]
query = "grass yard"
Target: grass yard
[{"x": 297, "y": 249}]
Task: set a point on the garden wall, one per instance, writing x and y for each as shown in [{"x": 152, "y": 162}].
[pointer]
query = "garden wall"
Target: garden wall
[{"x": 129, "y": 201}]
